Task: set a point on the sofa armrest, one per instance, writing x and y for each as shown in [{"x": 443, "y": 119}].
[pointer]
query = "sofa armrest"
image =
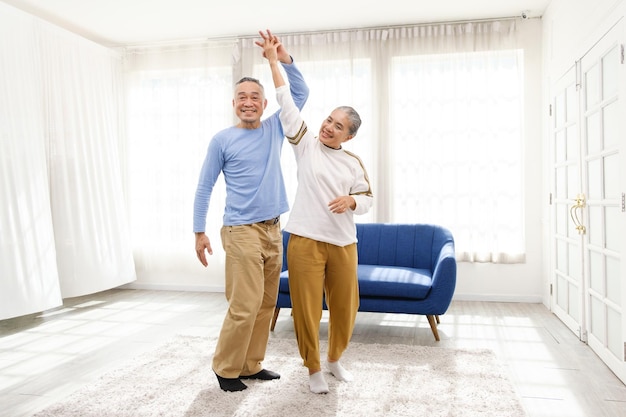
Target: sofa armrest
[{"x": 444, "y": 276}]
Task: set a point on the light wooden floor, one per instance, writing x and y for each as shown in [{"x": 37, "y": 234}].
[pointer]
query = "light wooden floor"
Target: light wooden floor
[{"x": 45, "y": 357}]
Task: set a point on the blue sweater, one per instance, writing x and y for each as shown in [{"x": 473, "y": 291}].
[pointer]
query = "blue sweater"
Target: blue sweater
[{"x": 250, "y": 162}]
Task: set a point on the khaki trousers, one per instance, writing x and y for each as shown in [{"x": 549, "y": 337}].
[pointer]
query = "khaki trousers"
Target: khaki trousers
[
  {"x": 318, "y": 268},
  {"x": 254, "y": 256}
]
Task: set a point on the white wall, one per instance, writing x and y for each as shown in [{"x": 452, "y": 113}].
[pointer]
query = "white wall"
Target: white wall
[{"x": 570, "y": 29}]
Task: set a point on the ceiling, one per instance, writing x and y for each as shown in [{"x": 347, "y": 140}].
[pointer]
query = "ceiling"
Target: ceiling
[{"x": 134, "y": 22}]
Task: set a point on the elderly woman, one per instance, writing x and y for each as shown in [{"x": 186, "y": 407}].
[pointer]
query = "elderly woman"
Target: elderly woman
[{"x": 333, "y": 186}]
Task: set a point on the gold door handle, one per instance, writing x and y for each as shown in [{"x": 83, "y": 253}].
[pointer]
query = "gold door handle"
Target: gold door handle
[{"x": 574, "y": 210}]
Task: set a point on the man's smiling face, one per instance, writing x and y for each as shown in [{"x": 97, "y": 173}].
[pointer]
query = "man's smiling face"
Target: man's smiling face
[{"x": 249, "y": 103}]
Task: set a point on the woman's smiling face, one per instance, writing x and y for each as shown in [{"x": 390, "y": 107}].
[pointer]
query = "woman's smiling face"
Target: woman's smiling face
[{"x": 335, "y": 129}]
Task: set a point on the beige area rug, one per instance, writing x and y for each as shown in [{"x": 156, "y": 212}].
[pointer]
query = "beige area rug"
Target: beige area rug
[{"x": 390, "y": 380}]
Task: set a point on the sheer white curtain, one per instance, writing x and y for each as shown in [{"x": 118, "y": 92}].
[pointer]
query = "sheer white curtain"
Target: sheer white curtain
[
  {"x": 82, "y": 84},
  {"x": 178, "y": 97},
  {"x": 456, "y": 100},
  {"x": 28, "y": 269},
  {"x": 63, "y": 229},
  {"x": 442, "y": 123}
]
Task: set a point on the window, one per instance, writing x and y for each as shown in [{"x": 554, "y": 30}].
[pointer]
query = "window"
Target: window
[
  {"x": 456, "y": 137},
  {"x": 441, "y": 139}
]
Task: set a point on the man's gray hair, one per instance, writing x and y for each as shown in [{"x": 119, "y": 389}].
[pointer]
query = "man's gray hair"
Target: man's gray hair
[{"x": 250, "y": 79}]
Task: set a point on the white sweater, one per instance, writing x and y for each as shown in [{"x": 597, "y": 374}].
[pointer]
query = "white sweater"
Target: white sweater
[{"x": 323, "y": 175}]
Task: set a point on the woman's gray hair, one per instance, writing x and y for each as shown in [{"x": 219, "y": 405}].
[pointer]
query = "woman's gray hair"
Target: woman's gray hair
[{"x": 353, "y": 116}]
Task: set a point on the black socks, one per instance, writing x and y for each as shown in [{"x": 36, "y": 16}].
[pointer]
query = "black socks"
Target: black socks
[
  {"x": 235, "y": 384},
  {"x": 231, "y": 384},
  {"x": 263, "y": 374}
]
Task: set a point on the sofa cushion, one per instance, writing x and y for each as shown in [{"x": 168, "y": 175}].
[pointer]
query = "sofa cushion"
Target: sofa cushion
[
  {"x": 283, "y": 285},
  {"x": 394, "y": 282},
  {"x": 384, "y": 282}
]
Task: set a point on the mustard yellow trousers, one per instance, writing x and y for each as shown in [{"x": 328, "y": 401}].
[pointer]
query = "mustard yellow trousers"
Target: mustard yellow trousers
[{"x": 318, "y": 269}]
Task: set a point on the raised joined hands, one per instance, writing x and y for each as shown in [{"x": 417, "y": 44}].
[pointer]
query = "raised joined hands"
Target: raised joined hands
[{"x": 271, "y": 40}]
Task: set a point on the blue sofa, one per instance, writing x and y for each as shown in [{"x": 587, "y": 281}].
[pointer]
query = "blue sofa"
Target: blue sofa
[{"x": 403, "y": 268}]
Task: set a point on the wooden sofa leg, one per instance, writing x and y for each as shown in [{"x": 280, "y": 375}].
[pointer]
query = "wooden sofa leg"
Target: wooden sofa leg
[
  {"x": 276, "y": 311},
  {"x": 433, "y": 325}
]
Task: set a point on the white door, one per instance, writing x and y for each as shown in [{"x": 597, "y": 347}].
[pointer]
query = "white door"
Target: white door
[
  {"x": 602, "y": 146},
  {"x": 588, "y": 214},
  {"x": 567, "y": 271}
]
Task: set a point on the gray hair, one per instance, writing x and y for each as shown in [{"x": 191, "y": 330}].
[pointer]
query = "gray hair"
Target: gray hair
[
  {"x": 353, "y": 116},
  {"x": 250, "y": 79}
]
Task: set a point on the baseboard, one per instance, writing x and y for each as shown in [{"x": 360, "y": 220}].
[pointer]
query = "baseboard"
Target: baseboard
[
  {"x": 533, "y": 299},
  {"x": 172, "y": 287}
]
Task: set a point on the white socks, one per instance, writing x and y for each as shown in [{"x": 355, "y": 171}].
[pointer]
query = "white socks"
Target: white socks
[
  {"x": 317, "y": 383},
  {"x": 339, "y": 371}
]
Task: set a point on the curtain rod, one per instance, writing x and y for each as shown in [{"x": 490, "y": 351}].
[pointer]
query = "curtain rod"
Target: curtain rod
[
  {"x": 319, "y": 32},
  {"x": 234, "y": 38}
]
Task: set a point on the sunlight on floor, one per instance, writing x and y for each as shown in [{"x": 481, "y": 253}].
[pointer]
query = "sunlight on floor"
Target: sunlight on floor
[
  {"x": 34, "y": 346},
  {"x": 45, "y": 356},
  {"x": 527, "y": 349}
]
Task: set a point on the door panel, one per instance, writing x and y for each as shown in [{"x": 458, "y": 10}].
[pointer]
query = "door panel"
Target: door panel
[
  {"x": 567, "y": 294},
  {"x": 602, "y": 74},
  {"x": 588, "y": 216}
]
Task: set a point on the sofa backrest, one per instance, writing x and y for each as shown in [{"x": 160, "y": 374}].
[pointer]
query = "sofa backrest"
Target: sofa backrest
[{"x": 408, "y": 245}]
